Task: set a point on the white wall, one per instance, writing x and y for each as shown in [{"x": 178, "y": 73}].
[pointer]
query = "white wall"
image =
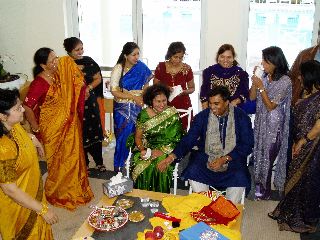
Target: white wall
[
  {"x": 224, "y": 21},
  {"x": 26, "y": 26}
]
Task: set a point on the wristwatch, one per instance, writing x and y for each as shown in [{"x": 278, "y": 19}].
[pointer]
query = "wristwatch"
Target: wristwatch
[{"x": 228, "y": 159}]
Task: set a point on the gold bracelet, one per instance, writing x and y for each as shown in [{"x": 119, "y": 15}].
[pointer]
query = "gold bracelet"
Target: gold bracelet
[
  {"x": 43, "y": 210},
  {"x": 140, "y": 146},
  {"x": 35, "y": 130}
]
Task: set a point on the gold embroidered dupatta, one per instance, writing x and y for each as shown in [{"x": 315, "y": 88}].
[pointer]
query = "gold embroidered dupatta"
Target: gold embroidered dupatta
[
  {"x": 67, "y": 183},
  {"x": 22, "y": 167}
]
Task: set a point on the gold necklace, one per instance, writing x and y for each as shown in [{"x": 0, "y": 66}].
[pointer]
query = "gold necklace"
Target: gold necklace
[{"x": 50, "y": 77}]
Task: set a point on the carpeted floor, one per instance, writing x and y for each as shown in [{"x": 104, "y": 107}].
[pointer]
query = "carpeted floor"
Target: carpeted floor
[{"x": 256, "y": 225}]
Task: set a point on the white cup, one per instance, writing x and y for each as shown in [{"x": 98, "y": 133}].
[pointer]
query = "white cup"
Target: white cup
[{"x": 258, "y": 72}]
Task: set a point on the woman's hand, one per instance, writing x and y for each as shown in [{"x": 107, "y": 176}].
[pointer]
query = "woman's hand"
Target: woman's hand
[
  {"x": 257, "y": 82},
  {"x": 156, "y": 153},
  {"x": 143, "y": 153},
  {"x": 235, "y": 102},
  {"x": 138, "y": 100},
  {"x": 50, "y": 217},
  {"x": 87, "y": 93},
  {"x": 297, "y": 146},
  {"x": 38, "y": 145}
]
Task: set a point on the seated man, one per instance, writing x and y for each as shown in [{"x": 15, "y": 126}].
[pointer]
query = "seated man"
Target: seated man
[{"x": 224, "y": 137}]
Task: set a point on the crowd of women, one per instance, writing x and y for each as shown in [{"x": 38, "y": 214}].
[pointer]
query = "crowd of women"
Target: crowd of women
[{"x": 65, "y": 109}]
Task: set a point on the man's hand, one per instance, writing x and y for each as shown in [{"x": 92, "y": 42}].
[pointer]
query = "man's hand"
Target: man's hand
[
  {"x": 216, "y": 164},
  {"x": 163, "y": 165}
]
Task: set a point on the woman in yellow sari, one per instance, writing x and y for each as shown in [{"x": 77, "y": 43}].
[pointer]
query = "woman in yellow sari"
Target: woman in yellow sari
[
  {"x": 54, "y": 107},
  {"x": 24, "y": 213}
]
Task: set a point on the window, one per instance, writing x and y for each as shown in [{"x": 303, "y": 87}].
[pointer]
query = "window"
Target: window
[
  {"x": 286, "y": 24},
  {"x": 106, "y": 25}
]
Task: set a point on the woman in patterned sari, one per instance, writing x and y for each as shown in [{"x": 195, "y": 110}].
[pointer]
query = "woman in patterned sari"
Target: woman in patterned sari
[
  {"x": 128, "y": 79},
  {"x": 299, "y": 210},
  {"x": 159, "y": 129},
  {"x": 59, "y": 95},
  {"x": 271, "y": 125},
  {"x": 24, "y": 212}
]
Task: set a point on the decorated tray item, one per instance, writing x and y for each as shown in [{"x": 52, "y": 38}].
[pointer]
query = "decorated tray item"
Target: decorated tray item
[
  {"x": 125, "y": 203},
  {"x": 136, "y": 216},
  {"x": 108, "y": 218}
]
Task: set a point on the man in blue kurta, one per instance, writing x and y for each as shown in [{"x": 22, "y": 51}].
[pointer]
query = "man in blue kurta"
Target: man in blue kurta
[{"x": 224, "y": 138}]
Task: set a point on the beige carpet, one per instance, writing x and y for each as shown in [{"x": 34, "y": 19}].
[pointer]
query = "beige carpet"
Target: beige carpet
[{"x": 256, "y": 225}]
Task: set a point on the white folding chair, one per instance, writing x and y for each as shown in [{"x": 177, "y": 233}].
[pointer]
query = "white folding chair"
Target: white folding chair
[{"x": 183, "y": 113}]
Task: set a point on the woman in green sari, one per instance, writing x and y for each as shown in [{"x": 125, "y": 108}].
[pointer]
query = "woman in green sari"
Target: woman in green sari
[{"x": 158, "y": 131}]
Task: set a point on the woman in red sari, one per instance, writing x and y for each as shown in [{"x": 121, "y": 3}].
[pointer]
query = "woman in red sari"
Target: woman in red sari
[
  {"x": 54, "y": 108},
  {"x": 174, "y": 72}
]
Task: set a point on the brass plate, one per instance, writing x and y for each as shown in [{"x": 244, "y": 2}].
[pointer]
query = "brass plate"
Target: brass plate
[
  {"x": 125, "y": 203},
  {"x": 136, "y": 216}
]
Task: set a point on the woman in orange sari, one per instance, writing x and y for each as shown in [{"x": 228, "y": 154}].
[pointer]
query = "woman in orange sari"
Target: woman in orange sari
[
  {"x": 24, "y": 212},
  {"x": 60, "y": 127}
]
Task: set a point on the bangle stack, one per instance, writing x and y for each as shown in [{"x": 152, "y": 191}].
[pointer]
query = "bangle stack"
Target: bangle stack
[{"x": 43, "y": 210}]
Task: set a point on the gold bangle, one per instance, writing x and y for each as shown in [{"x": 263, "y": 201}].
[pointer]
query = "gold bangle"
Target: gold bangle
[
  {"x": 43, "y": 210},
  {"x": 35, "y": 130},
  {"x": 140, "y": 146}
]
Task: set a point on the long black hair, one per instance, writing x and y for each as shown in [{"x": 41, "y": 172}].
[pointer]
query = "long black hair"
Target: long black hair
[
  {"x": 275, "y": 56},
  {"x": 8, "y": 98},
  {"x": 310, "y": 73},
  {"x": 127, "y": 49},
  {"x": 40, "y": 57}
]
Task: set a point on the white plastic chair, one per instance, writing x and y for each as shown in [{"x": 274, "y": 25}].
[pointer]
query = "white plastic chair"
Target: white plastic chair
[{"x": 184, "y": 113}]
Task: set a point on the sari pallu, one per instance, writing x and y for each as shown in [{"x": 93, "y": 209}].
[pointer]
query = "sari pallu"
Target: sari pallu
[
  {"x": 161, "y": 132},
  {"x": 125, "y": 112},
  {"x": 299, "y": 209},
  {"x": 19, "y": 164},
  {"x": 67, "y": 183}
]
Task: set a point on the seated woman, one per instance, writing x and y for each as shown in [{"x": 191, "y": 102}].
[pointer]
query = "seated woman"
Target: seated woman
[
  {"x": 24, "y": 210},
  {"x": 158, "y": 131}
]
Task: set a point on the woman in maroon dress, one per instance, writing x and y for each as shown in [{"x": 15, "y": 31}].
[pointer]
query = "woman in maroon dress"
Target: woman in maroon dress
[{"x": 174, "y": 72}]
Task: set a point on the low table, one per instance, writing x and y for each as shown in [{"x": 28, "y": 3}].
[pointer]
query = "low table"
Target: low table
[{"x": 86, "y": 230}]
